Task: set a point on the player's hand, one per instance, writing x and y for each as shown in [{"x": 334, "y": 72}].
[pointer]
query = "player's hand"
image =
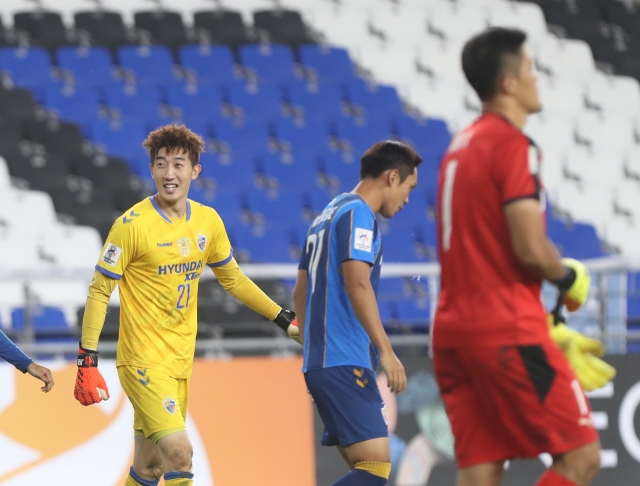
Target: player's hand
[
  {"x": 575, "y": 285},
  {"x": 583, "y": 354},
  {"x": 41, "y": 373},
  {"x": 286, "y": 320},
  {"x": 396, "y": 376},
  {"x": 90, "y": 385}
]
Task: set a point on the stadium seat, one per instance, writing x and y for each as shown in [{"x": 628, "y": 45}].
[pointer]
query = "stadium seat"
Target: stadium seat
[
  {"x": 443, "y": 100},
  {"x": 456, "y": 23},
  {"x": 566, "y": 58},
  {"x": 284, "y": 26},
  {"x": 78, "y": 104},
  {"x": 29, "y": 67},
  {"x": 45, "y": 29},
  {"x": 296, "y": 135},
  {"x": 250, "y": 137},
  {"x": 5, "y": 178},
  {"x": 282, "y": 208},
  {"x": 70, "y": 246},
  {"x": 152, "y": 65},
  {"x": 221, "y": 170},
  {"x": 211, "y": 64},
  {"x": 362, "y": 134},
  {"x": 197, "y": 102},
  {"x": 257, "y": 102},
  {"x": 17, "y": 104},
  {"x": 605, "y": 132},
  {"x": 597, "y": 167},
  {"x": 48, "y": 323},
  {"x": 402, "y": 246},
  {"x": 299, "y": 175},
  {"x": 426, "y": 135},
  {"x": 374, "y": 100},
  {"x": 94, "y": 207},
  {"x": 262, "y": 245},
  {"x": 330, "y": 63},
  {"x": 441, "y": 62},
  {"x": 224, "y": 26},
  {"x": 270, "y": 63},
  {"x": 324, "y": 100},
  {"x": 166, "y": 27},
  {"x": 526, "y": 16},
  {"x": 22, "y": 247},
  {"x": 587, "y": 203},
  {"x": 413, "y": 313},
  {"x": 342, "y": 175},
  {"x": 552, "y": 132},
  {"x": 123, "y": 139},
  {"x": 561, "y": 97},
  {"x": 575, "y": 240},
  {"x": 27, "y": 209},
  {"x": 43, "y": 173},
  {"x": 616, "y": 95},
  {"x": 91, "y": 66},
  {"x": 106, "y": 28},
  {"x": 136, "y": 103},
  {"x": 58, "y": 137}
]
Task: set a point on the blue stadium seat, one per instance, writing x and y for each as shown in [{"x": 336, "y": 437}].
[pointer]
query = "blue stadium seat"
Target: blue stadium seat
[
  {"x": 284, "y": 208},
  {"x": 304, "y": 135},
  {"x": 391, "y": 289},
  {"x": 388, "y": 314},
  {"x": 375, "y": 100},
  {"x": 331, "y": 63},
  {"x": 29, "y": 67},
  {"x": 197, "y": 102},
  {"x": 249, "y": 137},
  {"x": 266, "y": 245},
  {"x": 46, "y": 320},
  {"x": 152, "y": 65},
  {"x": 258, "y": 102},
  {"x": 633, "y": 300},
  {"x": 237, "y": 175},
  {"x": 426, "y": 135},
  {"x": 299, "y": 175},
  {"x": 272, "y": 63},
  {"x": 136, "y": 102},
  {"x": 317, "y": 100},
  {"x": 345, "y": 174},
  {"x": 575, "y": 240},
  {"x": 415, "y": 313},
  {"x": 123, "y": 139},
  {"x": 91, "y": 66},
  {"x": 212, "y": 64},
  {"x": 78, "y": 104},
  {"x": 206, "y": 190},
  {"x": 362, "y": 133},
  {"x": 402, "y": 246}
]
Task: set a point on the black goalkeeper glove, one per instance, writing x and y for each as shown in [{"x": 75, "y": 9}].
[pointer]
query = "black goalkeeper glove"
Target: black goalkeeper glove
[{"x": 287, "y": 321}]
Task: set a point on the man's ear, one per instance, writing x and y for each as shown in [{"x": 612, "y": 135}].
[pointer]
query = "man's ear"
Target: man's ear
[
  {"x": 196, "y": 171},
  {"x": 509, "y": 83},
  {"x": 393, "y": 177}
]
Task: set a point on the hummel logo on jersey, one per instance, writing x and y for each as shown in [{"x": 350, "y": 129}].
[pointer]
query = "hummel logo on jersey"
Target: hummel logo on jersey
[
  {"x": 133, "y": 214},
  {"x": 161, "y": 245},
  {"x": 359, "y": 373},
  {"x": 145, "y": 377}
]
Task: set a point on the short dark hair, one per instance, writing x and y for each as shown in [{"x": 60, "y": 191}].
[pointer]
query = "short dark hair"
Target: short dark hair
[
  {"x": 386, "y": 155},
  {"x": 173, "y": 138},
  {"x": 487, "y": 56}
]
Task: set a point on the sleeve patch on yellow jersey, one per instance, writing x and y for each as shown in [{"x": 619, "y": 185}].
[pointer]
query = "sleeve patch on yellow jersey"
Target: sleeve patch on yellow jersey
[{"x": 111, "y": 254}]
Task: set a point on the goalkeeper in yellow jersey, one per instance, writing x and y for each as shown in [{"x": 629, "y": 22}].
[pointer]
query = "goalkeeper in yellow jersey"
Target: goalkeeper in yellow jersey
[{"x": 156, "y": 252}]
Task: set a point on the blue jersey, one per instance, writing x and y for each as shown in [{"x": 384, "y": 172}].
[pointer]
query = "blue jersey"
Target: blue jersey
[{"x": 346, "y": 230}]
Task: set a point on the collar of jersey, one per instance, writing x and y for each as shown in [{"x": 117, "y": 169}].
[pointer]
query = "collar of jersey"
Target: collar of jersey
[{"x": 164, "y": 216}]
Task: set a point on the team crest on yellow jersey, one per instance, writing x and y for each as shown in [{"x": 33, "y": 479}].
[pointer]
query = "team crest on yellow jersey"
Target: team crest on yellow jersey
[
  {"x": 184, "y": 246},
  {"x": 202, "y": 241},
  {"x": 169, "y": 405}
]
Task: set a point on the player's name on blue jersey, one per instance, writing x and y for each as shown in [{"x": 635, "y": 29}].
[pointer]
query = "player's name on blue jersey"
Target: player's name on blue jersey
[{"x": 346, "y": 230}]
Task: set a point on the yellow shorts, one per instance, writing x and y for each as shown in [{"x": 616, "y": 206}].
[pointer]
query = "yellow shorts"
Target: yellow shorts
[{"x": 159, "y": 401}]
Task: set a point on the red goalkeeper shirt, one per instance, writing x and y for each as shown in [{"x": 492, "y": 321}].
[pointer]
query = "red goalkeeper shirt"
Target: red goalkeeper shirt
[{"x": 486, "y": 296}]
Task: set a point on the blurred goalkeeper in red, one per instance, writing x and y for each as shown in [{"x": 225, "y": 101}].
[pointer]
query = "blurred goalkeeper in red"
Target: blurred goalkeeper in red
[{"x": 508, "y": 388}]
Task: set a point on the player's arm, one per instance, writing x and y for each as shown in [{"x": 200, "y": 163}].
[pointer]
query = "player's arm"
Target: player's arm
[
  {"x": 14, "y": 355},
  {"x": 357, "y": 282},
  {"x": 234, "y": 281},
  {"x": 300, "y": 298}
]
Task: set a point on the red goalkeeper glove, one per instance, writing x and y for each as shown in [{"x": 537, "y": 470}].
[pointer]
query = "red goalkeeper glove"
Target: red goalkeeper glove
[{"x": 90, "y": 385}]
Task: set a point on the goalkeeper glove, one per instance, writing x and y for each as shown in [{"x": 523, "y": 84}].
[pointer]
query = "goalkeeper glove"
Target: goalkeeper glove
[
  {"x": 90, "y": 385},
  {"x": 583, "y": 355},
  {"x": 286, "y": 320},
  {"x": 574, "y": 286}
]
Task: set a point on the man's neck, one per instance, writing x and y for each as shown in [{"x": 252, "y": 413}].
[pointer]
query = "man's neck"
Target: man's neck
[
  {"x": 173, "y": 210},
  {"x": 369, "y": 191},
  {"x": 508, "y": 110}
]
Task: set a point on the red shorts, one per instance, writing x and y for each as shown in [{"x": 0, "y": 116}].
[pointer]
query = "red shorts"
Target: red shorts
[{"x": 512, "y": 401}]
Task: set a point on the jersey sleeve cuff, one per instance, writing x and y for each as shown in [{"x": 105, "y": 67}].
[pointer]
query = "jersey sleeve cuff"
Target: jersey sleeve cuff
[
  {"x": 109, "y": 274},
  {"x": 222, "y": 262},
  {"x": 518, "y": 198}
]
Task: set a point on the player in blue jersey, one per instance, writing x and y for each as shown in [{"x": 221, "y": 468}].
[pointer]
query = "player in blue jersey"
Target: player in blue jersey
[
  {"x": 335, "y": 299},
  {"x": 14, "y": 355}
]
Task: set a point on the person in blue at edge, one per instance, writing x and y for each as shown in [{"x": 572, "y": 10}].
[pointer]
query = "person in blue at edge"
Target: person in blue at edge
[
  {"x": 12, "y": 354},
  {"x": 335, "y": 300}
]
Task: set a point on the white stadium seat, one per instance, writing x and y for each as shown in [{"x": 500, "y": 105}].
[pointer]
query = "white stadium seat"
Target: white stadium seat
[
  {"x": 566, "y": 58},
  {"x": 458, "y": 22},
  {"x": 616, "y": 95},
  {"x": 608, "y": 132},
  {"x": 19, "y": 251},
  {"x": 519, "y": 15},
  {"x": 586, "y": 203},
  {"x": 596, "y": 167},
  {"x": 5, "y": 178},
  {"x": 71, "y": 246},
  {"x": 27, "y": 209},
  {"x": 551, "y": 132},
  {"x": 561, "y": 97}
]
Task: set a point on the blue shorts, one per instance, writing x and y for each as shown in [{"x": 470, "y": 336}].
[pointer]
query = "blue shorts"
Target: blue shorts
[{"x": 349, "y": 403}]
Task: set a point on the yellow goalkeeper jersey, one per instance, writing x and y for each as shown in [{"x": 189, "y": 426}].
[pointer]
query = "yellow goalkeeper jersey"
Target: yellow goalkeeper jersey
[{"x": 158, "y": 261}]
